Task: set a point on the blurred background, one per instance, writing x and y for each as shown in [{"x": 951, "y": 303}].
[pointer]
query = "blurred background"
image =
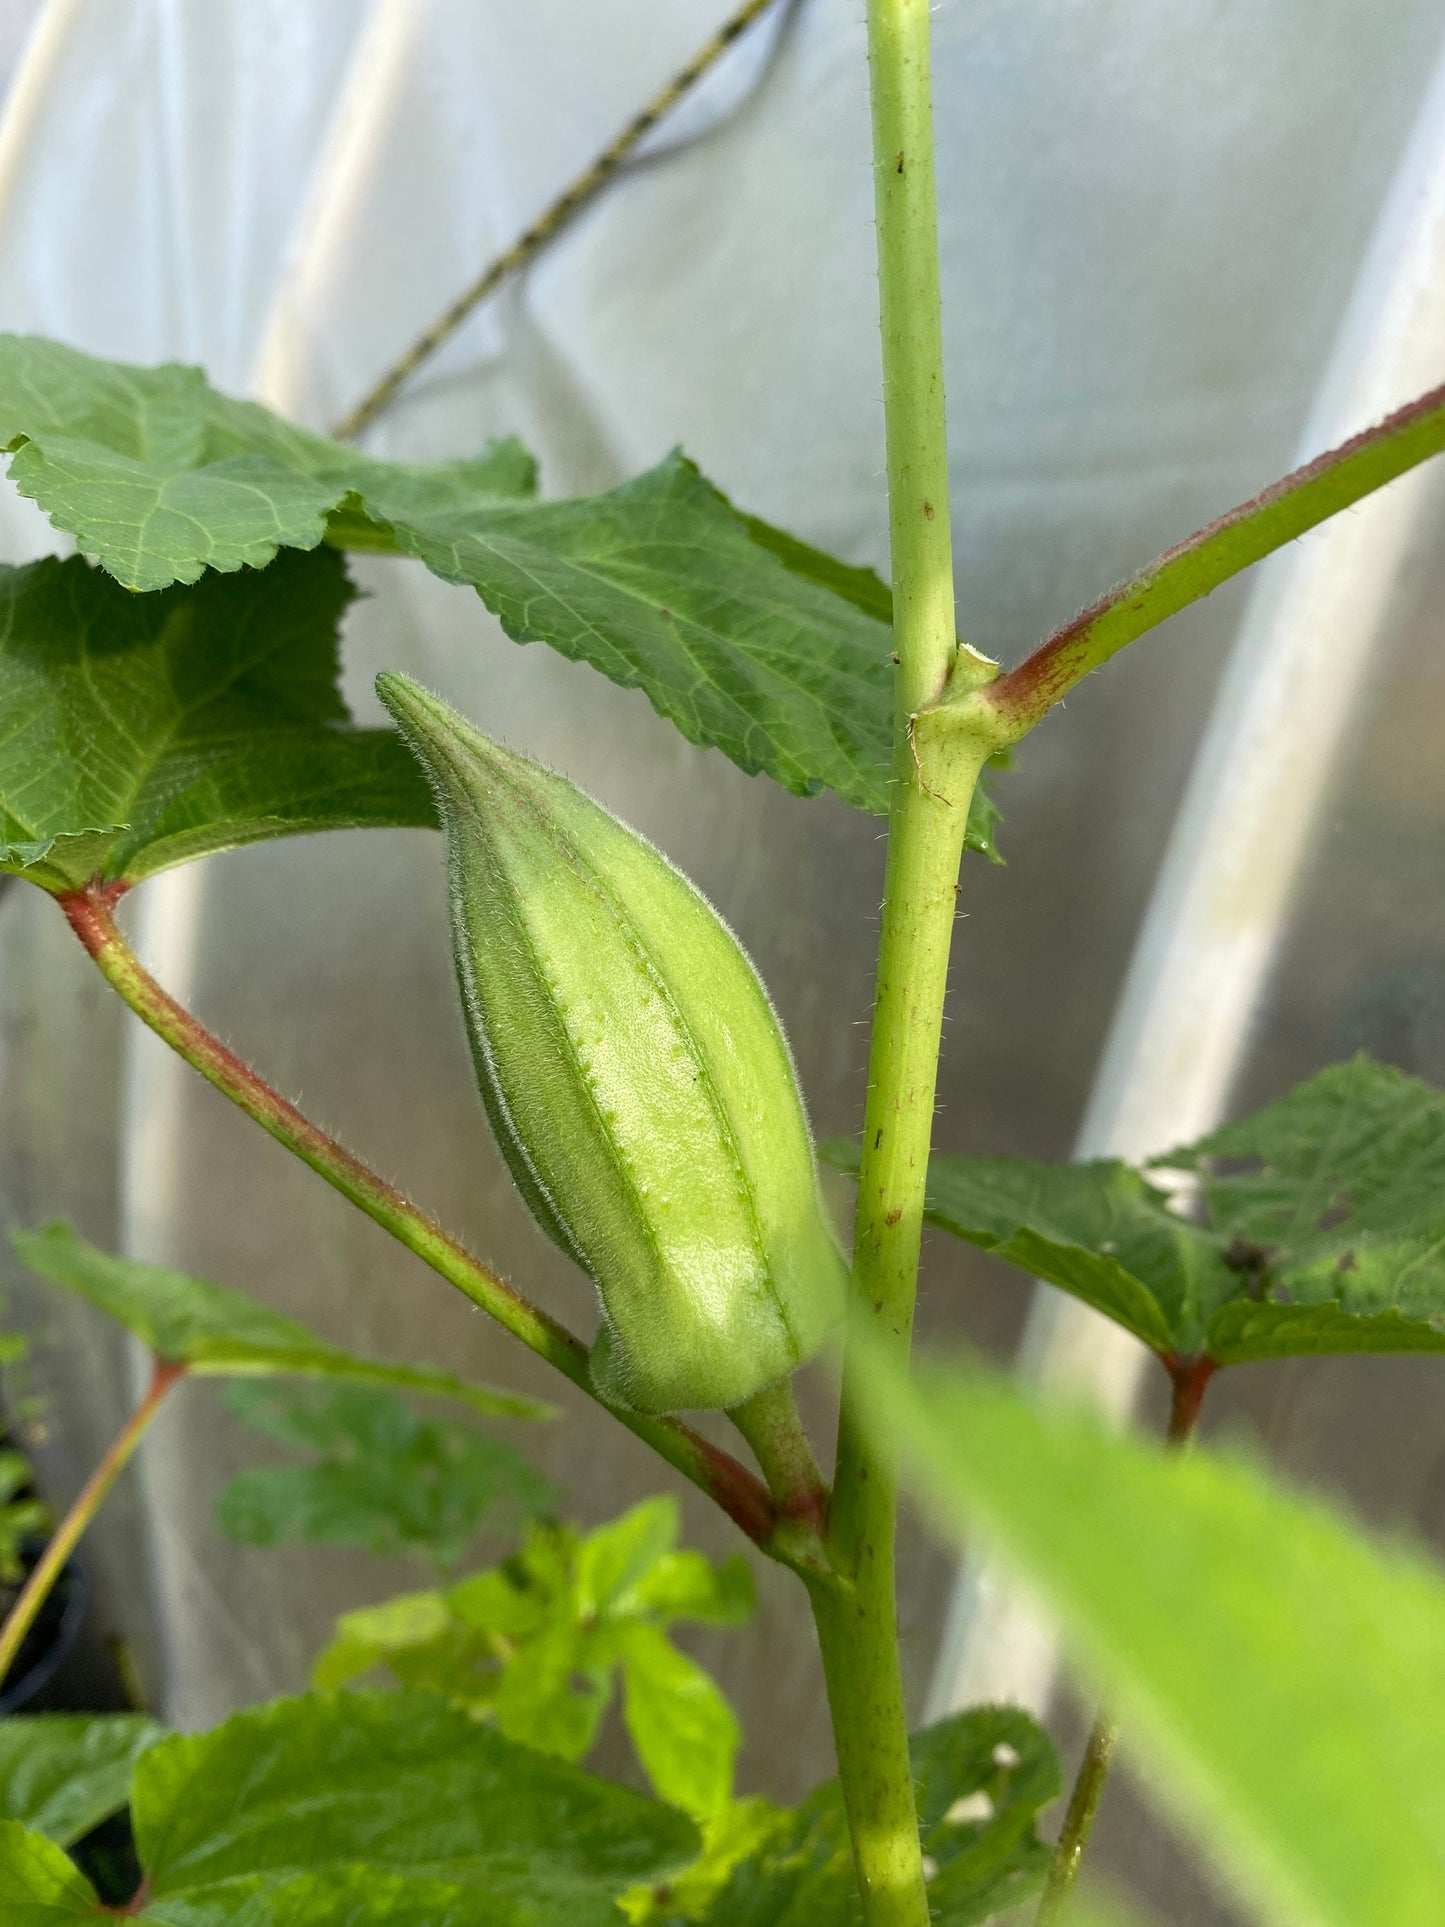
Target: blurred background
[{"x": 1174, "y": 237}]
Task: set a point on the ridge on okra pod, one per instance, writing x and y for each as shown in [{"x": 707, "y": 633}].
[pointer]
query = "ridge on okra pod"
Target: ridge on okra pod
[{"x": 635, "y": 1076}]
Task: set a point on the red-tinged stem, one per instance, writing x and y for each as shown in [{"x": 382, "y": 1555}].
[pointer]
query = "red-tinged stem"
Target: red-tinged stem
[
  {"x": 1196, "y": 566},
  {"x": 741, "y": 1495},
  {"x": 771, "y": 1424},
  {"x": 1190, "y": 1380},
  {"x": 38, "y": 1586}
]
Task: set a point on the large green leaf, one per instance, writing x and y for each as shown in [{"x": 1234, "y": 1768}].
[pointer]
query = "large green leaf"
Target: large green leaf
[
  {"x": 218, "y": 1332},
  {"x": 1321, "y": 1226},
  {"x": 536, "y": 1643},
  {"x": 161, "y": 478},
  {"x": 684, "y": 1731},
  {"x": 1279, "y": 1677},
  {"x": 538, "y": 1640},
  {"x": 1099, "y": 1230},
  {"x": 1355, "y": 1158},
  {"x": 386, "y": 1810},
  {"x": 385, "y": 1479},
  {"x": 39, "y": 1886},
  {"x": 750, "y": 642},
  {"x": 981, "y": 1779},
  {"x": 63, "y": 1773},
  {"x": 140, "y": 731}
]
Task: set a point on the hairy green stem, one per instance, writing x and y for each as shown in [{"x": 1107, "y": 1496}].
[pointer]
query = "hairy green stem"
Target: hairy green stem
[
  {"x": 772, "y": 1426},
  {"x": 857, "y": 1630},
  {"x": 1088, "y": 1790},
  {"x": 1196, "y": 566},
  {"x": 741, "y": 1495},
  {"x": 1190, "y": 1378},
  {"x": 51, "y": 1564}
]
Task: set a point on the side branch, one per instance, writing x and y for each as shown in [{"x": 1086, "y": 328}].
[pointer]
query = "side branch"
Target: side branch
[
  {"x": 1196, "y": 566},
  {"x": 92, "y": 1495},
  {"x": 741, "y": 1495}
]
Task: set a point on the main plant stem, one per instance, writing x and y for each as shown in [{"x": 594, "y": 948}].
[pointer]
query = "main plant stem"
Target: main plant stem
[
  {"x": 716, "y": 1472},
  {"x": 857, "y": 1629},
  {"x": 25, "y": 1611},
  {"x": 1190, "y": 1380}
]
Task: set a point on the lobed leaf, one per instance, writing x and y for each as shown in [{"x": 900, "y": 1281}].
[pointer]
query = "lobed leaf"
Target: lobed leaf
[
  {"x": 1099, "y": 1231},
  {"x": 365, "y": 1810},
  {"x": 685, "y": 1733},
  {"x": 686, "y": 1585},
  {"x": 61, "y": 1774},
  {"x": 1353, "y": 1158},
  {"x": 982, "y": 1778},
  {"x": 39, "y": 1886},
  {"x": 1278, "y": 1676},
  {"x": 747, "y": 640},
  {"x": 554, "y": 1694},
  {"x": 536, "y": 1644},
  {"x": 386, "y": 1480},
  {"x": 137, "y": 732},
  {"x": 731, "y": 1836},
  {"x": 161, "y": 478},
  {"x": 1320, "y": 1227},
  {"x": 614, "y": 1558},
  {"x": 217, "y": 1332}
]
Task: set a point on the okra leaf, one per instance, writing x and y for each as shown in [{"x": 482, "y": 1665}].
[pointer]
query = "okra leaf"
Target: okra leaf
[
  {"x": 535, "y": 1644},
  {"x": 1353, "y": 1158},
  {"x": 421, "y": 1641},
  {"x": 747, "y": 640},
  {"x": 556, "y": 1691},
  {"x": 39, "y": 1886},
  {"x": 1100, "y": 1231},
  {"x": 63, "y": 1773},
  {"x": 137, "y": 732},
  {"x": 678, "y": 1719},
  {"x": 217, "y": 1332},
  {"x": 686, "y": 1585},
  {"x": 616, "y": 1556},
  {"x": 982, "y": 1777},
  {"x": 386, "y": 1480},
  {"x": 731, "y": 1836},
  {"x": 161, "y": 478},
  {"x": 1277, "y": 1675},
  {"x": 370, "y": 1810},
  {"x": 1320, "y": 1226}
]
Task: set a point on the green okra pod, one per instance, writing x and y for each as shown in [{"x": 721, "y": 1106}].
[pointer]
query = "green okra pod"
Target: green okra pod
[{"x": 635, "y": 1075}]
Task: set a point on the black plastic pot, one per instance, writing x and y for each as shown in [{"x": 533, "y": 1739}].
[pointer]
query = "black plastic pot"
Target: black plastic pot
[{"x": 50, "y": 1641}]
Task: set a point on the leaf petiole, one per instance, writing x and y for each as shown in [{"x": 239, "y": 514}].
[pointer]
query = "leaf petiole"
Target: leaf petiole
[
  {"x": 739, "y": 1492},
  {"x": 92, "y": 1495},
  {"x": 1190, "y": 1378}
]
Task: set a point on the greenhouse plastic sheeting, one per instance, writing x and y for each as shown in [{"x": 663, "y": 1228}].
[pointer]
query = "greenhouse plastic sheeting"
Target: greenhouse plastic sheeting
[{"x": 1153, "y": 218}]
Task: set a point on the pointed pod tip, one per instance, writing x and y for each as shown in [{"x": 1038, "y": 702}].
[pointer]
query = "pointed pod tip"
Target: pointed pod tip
[
  {"x": 407, "y": 700},
  {"x": 445, "y": 743}
]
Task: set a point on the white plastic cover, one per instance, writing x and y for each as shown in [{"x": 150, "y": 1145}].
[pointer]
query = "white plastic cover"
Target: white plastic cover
[{"x": 1153, "y": 216}]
